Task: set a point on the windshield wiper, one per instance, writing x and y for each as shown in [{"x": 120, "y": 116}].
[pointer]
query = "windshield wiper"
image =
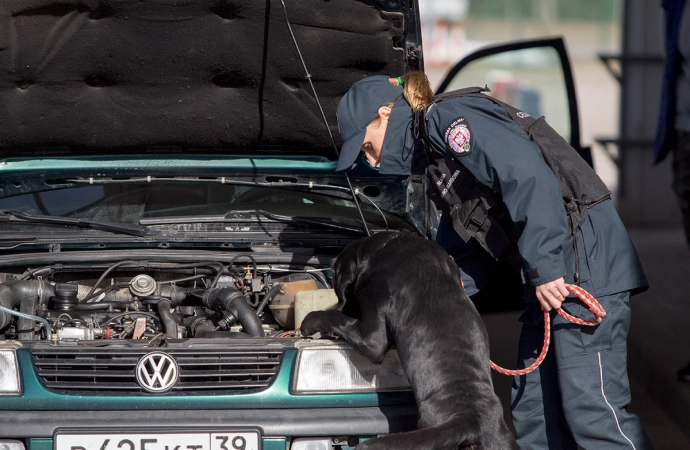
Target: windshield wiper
[
  {"x": 251, "y": 215},
  {"x": 9, "y": 215},
  {"x": 324, "y": 221}
]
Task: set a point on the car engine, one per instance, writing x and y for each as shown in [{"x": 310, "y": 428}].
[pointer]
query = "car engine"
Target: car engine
[{"x": 156, "y": 300}]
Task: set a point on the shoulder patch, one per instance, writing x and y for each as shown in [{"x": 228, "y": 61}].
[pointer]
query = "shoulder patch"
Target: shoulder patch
[{"x": 458, "y": 137}]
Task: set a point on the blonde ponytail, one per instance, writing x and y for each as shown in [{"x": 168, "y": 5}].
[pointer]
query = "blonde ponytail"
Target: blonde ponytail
[{"x": 416, "y": 89}]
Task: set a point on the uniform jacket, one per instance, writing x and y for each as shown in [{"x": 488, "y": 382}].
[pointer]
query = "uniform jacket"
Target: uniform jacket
[{"x": 483, "y": 138}]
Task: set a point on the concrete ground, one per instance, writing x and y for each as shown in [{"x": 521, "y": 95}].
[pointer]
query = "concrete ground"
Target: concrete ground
[{"x": 658, "y": 344}]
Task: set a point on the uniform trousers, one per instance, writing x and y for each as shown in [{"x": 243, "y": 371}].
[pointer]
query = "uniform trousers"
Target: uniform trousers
[{"x": 580, "y": 393}]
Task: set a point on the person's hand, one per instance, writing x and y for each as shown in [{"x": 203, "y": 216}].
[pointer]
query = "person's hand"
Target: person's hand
[{"x": 552, "y": 294}]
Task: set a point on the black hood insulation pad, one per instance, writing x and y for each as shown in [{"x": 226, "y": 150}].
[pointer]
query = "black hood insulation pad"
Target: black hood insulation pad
[{"x": 120, "y": 75}]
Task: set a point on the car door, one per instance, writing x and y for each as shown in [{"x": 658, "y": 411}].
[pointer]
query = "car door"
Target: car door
[{"x": 534, "y": 76}]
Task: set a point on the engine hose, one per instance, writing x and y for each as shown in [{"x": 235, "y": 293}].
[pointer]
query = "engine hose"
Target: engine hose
[
  {"x": 269, "y": 295},
  {"x": 110, "y": 269},
  {"x": 320, "y": 277},
  {"x": 25, "y": 325},
  {"x": 45, "y": 323},
  {"x": 207, "y": 334},
  {"x": 167, "y": 318},
  {"x": 232, "y": 301},
  {"x": 106, "y": 291},
  {"x": 102, "y": 306},
  {"x": 196, "y": 324},
  {"x": 12, "y": 293}
]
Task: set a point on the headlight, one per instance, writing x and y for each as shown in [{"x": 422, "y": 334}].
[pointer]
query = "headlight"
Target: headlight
[
  {"x": 11, "y": 445},
  {"x": 9, "y": 372},
  {"x": 336, "y": 368},
  {"x": 310, "y": 444}
]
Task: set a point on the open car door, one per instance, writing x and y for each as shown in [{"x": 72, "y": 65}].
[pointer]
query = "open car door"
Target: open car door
[{"x": 534, "y": 76}]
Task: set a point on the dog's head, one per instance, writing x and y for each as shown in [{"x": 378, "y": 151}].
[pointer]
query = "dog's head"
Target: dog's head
[{"x": 355, "y": 259}]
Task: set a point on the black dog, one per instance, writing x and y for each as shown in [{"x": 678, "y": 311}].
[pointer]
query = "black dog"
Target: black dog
[{"x": 400, "y": 289}]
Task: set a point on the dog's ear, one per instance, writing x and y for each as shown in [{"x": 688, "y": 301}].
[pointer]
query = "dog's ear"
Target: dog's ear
[
  {"x": 345, "y": 272},
  {"x": 356, "y": 258}
]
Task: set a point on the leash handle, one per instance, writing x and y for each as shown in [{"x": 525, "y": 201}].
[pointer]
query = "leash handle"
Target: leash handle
[{"x": 586, "y": 298}]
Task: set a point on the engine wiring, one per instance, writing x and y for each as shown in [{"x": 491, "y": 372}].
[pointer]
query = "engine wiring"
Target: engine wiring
[{"x": 178, "y": 299}]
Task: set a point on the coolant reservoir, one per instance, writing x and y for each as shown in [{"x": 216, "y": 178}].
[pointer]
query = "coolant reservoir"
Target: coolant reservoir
[
  {"x": 283, "y": 305},
  {"x": 313, "y": 300}
]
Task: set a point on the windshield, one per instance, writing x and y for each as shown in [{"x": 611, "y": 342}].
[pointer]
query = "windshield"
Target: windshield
[{"x": 129, "y": 203}]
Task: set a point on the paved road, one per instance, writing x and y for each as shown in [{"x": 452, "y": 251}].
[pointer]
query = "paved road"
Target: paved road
[{"x": 658, "y": 345}]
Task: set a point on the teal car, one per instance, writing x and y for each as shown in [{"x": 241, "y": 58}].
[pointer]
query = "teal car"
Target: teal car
[{"x": 169, "y": 213}]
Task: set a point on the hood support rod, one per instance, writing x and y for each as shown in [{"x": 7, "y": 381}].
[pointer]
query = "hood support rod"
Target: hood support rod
[{"x": 323, "y": 115}]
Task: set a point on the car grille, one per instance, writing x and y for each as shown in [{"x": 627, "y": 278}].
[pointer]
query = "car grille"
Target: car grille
[{"x": 114, "y": 369}]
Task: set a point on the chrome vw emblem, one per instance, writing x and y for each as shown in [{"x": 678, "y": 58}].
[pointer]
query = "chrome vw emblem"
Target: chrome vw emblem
[{"x": 157, "y": 372}]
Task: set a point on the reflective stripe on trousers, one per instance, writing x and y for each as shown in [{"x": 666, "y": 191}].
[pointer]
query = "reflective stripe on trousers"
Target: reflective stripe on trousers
[{"x": 580, "y": 393}]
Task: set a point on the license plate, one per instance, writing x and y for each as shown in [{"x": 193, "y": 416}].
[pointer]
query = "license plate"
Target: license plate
[{"x": 235, "y": 440}]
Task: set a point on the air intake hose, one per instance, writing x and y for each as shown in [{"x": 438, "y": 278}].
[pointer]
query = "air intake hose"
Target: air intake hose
[
  {"x": 12, "y": 293},
  {"x": 232, "y": 301},
  {"x": 167, "y": 318}
]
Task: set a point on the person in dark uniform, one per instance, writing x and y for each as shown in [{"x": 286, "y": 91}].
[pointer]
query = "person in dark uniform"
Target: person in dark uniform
[
  {"x": 580, "y": 392},
  {"x": 673, "y": 125}
]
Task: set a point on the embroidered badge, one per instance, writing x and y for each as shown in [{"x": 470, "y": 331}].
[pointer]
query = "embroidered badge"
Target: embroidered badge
[{"x": 459, "y": 137}]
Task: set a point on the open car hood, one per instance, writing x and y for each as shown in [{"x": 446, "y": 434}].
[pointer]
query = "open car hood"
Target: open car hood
[{"x": 106, "y": 77}]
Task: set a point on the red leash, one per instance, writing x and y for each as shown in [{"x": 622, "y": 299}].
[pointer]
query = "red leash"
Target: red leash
[{"x": 587, "y": 299}]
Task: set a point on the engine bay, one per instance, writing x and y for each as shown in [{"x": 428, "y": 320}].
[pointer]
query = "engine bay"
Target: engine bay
[{"x": 143, "y": 300}]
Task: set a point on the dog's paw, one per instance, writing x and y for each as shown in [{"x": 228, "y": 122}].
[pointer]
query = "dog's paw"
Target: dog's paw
[{"x": 313, "y": 323}]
